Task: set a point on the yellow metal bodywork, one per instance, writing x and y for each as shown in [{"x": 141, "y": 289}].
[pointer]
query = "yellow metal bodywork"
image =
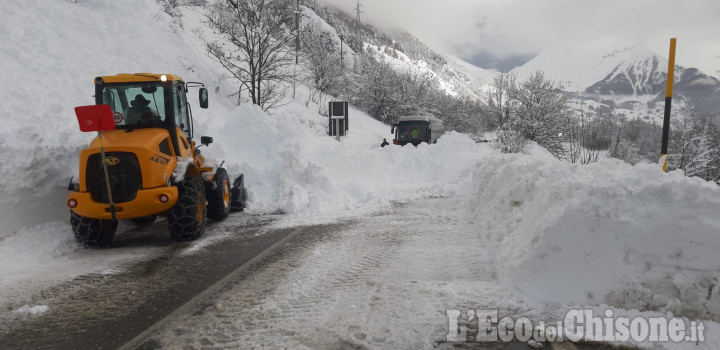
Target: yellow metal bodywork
[
  {"x": 137, "y": 77},
  {"x": 156, "y": 170},
  {"x": 156, "y": 167},
  {"x": 146, "y": 203}
]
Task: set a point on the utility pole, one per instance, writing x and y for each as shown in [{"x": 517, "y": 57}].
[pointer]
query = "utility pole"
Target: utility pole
[
  {"x": 297, "y": 31},
  {"x": 342, "y": 61},
  {"x": 358, "y": 11},
  {"x": 668, "y": 104},
  {"x": 297, "y": 44}
]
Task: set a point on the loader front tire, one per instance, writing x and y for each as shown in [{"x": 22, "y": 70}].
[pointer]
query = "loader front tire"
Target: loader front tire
[
  {"x": 188, "y": 217},
  {"x": 218, "y": 196},
  {"x": 93, "y": 232}
]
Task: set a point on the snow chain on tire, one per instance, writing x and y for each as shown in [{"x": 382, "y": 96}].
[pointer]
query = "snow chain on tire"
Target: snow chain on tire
[
  {"x": 188, "y": 217},
  {"x": 92, "y": 232}
]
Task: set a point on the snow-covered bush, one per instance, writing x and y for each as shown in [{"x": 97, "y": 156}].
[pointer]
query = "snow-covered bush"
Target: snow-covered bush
[
  {"x": 535, "y": 109},
  {"x": 510, "y": 141}
]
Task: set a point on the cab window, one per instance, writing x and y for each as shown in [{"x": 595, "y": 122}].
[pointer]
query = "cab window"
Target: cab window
[
  {"x": 182, "y": 119},
  {"x": 135, "y": 105}
]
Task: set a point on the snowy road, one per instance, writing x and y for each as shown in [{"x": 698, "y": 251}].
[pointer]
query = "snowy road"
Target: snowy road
[{"x": 382, "y": 282}]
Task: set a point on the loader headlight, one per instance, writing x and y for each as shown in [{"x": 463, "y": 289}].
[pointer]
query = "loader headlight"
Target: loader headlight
[
  {"x": 163, "y": 77},
  {"x": 72, "y": 203},
  {"x": 164, "y": 198}
]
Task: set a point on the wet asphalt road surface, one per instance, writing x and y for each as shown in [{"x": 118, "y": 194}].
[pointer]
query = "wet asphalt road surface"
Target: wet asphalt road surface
[
  {"x": 106, "y": 311},
  {"x": 125, "y": 310}
]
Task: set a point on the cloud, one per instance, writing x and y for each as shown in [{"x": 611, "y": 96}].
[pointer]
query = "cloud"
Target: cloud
[{"x": 511, "y": 28}]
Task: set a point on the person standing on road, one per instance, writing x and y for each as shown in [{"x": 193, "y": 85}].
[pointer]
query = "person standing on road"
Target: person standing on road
[{"x": 384, "y": 143}]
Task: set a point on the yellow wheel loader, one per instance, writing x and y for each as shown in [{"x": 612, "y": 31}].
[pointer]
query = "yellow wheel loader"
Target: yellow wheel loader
[{"x": 148, "y": 165}]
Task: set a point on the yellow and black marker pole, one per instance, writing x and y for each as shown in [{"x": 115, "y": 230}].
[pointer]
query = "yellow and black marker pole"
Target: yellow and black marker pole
[{"x": 668, "y": 104}]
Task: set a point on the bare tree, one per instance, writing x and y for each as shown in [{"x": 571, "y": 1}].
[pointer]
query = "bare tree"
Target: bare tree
[
  {"x": 587, "y": 137},
  {"x": 254, "y": 46},
  {"x": 684, "y": 137},
  {"x": 635, "y": 140},
  {"x": 497, "y": 101},
  {"x": 538, "y": 111},
  {"x": 704, "y": 163},
  {"x": 321, "y": 57},
  {"x": 377, "y": 92},
  {"x": 691, "y": 146}
]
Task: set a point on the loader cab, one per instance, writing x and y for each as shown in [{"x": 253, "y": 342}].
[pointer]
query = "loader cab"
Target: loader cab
[{"x": 141, "y": 101}]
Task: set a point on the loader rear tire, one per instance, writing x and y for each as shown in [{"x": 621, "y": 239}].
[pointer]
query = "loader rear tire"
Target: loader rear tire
[
  {"x": 218, "y": 196},
  {"x": 188, "y": 216},
  {"x": 93, "y": 232},
  {"x": 238, "y": 194}
]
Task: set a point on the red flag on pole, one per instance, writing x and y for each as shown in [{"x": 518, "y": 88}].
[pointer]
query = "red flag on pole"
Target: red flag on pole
[
  {"x": 95, "y": 118},
  {"x": 98, "y": 118}
]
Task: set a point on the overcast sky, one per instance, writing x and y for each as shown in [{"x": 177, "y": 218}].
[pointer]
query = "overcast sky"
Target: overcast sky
[{"x": 478, "y": 30}]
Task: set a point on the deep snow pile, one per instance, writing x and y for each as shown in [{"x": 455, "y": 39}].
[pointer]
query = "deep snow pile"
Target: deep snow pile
[
  {"x": 290, "y": 164},
  {"x": 607, "y": 233},
  {"x": 50, "y": 54}
]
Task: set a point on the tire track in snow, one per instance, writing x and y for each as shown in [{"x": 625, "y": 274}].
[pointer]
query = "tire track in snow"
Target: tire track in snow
[
  {"x": 239, "y": 313},
  {"x": 382, "y": 283}
]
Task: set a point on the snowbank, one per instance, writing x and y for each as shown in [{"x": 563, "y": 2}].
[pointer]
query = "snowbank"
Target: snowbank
[
  {"x": 631, "y": 237},
  {"x": 290, "y": 164},
  {"x": 50, "y": 55}
]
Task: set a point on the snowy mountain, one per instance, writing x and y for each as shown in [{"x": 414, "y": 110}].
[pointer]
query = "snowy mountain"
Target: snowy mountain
[
  {"x": 632, "y": 75},
  {"x": 452, "y": 75},
  {"x": 456, "y": 76},
  {"x": 634, "y": 69},
  {"x": 404, "y": 52}
]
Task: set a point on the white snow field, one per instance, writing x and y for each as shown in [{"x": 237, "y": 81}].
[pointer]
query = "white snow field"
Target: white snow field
[
  {"x": 606, "y": 234},
  {"x": 557, "y": 234}
]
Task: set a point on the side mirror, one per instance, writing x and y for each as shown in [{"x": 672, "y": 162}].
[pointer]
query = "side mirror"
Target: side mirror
[
  {"x": 206, "y": 140},
  {"x": 392, "y": 128},
  {"x": 204, "y": 101}
]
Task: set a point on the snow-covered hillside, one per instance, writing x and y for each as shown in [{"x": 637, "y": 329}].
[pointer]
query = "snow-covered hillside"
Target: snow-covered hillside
[
  {"x": 456, "y": 77},
  {"x": 40, "y": 140}
]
